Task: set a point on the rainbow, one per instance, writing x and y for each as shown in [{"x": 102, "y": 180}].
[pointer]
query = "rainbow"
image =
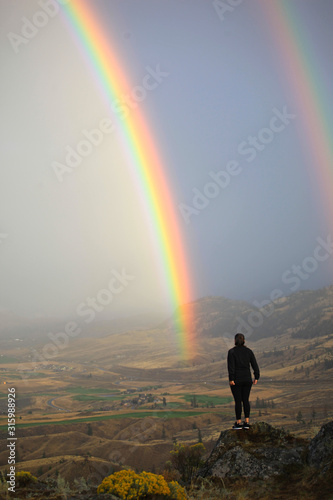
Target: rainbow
[
  {"x": 301, "y": 74},
  {"x": 147, "y": 166}
]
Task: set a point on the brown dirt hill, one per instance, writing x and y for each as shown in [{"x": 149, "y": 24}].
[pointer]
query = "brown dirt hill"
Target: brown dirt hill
[
  {"x": 143, "y": 443},
  {"x": 69, "y": 467},
  {"x": 211, "y": 316},
  {"x": 259, "y": 464},
  {"x": 305, "y": 314}
]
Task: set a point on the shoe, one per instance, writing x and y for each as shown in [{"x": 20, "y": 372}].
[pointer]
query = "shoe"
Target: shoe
[
  {"x": 237, "y": 426},
  {"x": 246, "y": 425}
]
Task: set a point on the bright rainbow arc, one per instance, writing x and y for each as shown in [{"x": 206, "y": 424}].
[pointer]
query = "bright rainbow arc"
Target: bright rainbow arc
[
  {"x": 301, "y": 75},
  {"x": 149, "y": 169}
]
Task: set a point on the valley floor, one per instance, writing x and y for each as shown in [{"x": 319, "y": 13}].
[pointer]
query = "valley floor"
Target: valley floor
[{"x": 97, "y": 416}]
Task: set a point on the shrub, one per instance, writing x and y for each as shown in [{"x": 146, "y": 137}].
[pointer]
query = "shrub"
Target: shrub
[
  {"x": 81, "y": 485},
  {"x": 187, "y": 459},
  {"x": 62, "y": 486},
  {"x": 177, "y": 492},
  {"x": 170, "y": 473},
  {"x": 128, "y": 485},
  {"x": 24, "y": 478}
]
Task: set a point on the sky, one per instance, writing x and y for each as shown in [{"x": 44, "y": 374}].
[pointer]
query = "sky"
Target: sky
[{"x": 225, "y": 114}]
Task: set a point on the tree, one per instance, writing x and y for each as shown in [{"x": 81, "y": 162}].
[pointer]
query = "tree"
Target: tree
[
  {"x": 194, "y": 403},
  {"x": 299, "y": 417},
  {"x": 187, "y": 459}
]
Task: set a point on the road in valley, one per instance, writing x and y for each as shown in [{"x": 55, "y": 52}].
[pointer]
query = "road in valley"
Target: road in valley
[{"x": 50, "y": 403}]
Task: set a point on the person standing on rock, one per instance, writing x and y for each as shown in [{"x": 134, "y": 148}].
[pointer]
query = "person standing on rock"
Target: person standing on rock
[{"x": 240, "y": 361}]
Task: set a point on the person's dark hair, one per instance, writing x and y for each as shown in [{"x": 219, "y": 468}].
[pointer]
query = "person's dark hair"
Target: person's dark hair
[{"x": 239, "y": 339}]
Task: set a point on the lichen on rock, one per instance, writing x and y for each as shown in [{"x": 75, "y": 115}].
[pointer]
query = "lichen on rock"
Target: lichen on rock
[
  {"x": 320, "y": 450},
  {"x": 260, "y": 452}
]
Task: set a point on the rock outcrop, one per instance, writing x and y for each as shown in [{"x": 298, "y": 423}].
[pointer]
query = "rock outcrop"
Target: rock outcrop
[
  {"x": 320, "y": 450},
  {"x": 264, "y": 451}
]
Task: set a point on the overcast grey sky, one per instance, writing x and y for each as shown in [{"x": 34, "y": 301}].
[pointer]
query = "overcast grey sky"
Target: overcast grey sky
[{"x": 246, "y": 233}]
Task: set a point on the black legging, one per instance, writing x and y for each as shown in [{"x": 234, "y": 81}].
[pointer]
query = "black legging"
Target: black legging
[{"x": 241, "y": 393}]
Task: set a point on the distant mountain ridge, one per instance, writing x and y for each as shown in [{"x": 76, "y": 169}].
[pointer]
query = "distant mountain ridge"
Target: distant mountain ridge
[{"x": 304, "y": 314}]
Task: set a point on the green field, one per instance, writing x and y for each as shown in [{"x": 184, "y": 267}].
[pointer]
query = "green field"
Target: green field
[
  {"x": 87, "y": 390},
  {"x": 25, "y": 375},
  {"x": 139, "y": 414},
  {"x": 171, "y": 405},
  {"x": 10, "y": 376},
  {"x": 203, "y": 399},
  {"x": 9, "y": 359}
]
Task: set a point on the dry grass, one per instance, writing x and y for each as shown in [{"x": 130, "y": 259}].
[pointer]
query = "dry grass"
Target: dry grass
[{"x": 139, "y": 359}]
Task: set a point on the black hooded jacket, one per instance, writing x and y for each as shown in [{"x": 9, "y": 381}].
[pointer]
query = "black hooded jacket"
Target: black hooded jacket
[{"x": 240, "y": 358}]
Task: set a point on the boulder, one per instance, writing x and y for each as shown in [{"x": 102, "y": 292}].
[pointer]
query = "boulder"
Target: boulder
[
  {"x": 260, "y": 452},
  {"x": 320, "y": 450}
]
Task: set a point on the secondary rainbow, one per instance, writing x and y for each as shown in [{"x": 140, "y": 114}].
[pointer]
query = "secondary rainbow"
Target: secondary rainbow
[
  {"x": 146, "y": 163},
  {"x": 303, "y": 77}
]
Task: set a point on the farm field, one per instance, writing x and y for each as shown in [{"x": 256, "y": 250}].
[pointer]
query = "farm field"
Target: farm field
[{"x": 118, "y": 412}]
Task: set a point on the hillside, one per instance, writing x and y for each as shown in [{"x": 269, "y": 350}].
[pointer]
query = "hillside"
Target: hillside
[
  {"x": 260, "y": 463},
  {"x": 304, "y": 314},
  {"x": 124, "y": 398}
]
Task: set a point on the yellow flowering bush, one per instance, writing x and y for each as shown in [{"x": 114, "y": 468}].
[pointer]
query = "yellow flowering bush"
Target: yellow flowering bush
[
  {"x": 24, "y": 478},
  {"x": 128, "y": 485},
  {"x": 177, "y": 492}
]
